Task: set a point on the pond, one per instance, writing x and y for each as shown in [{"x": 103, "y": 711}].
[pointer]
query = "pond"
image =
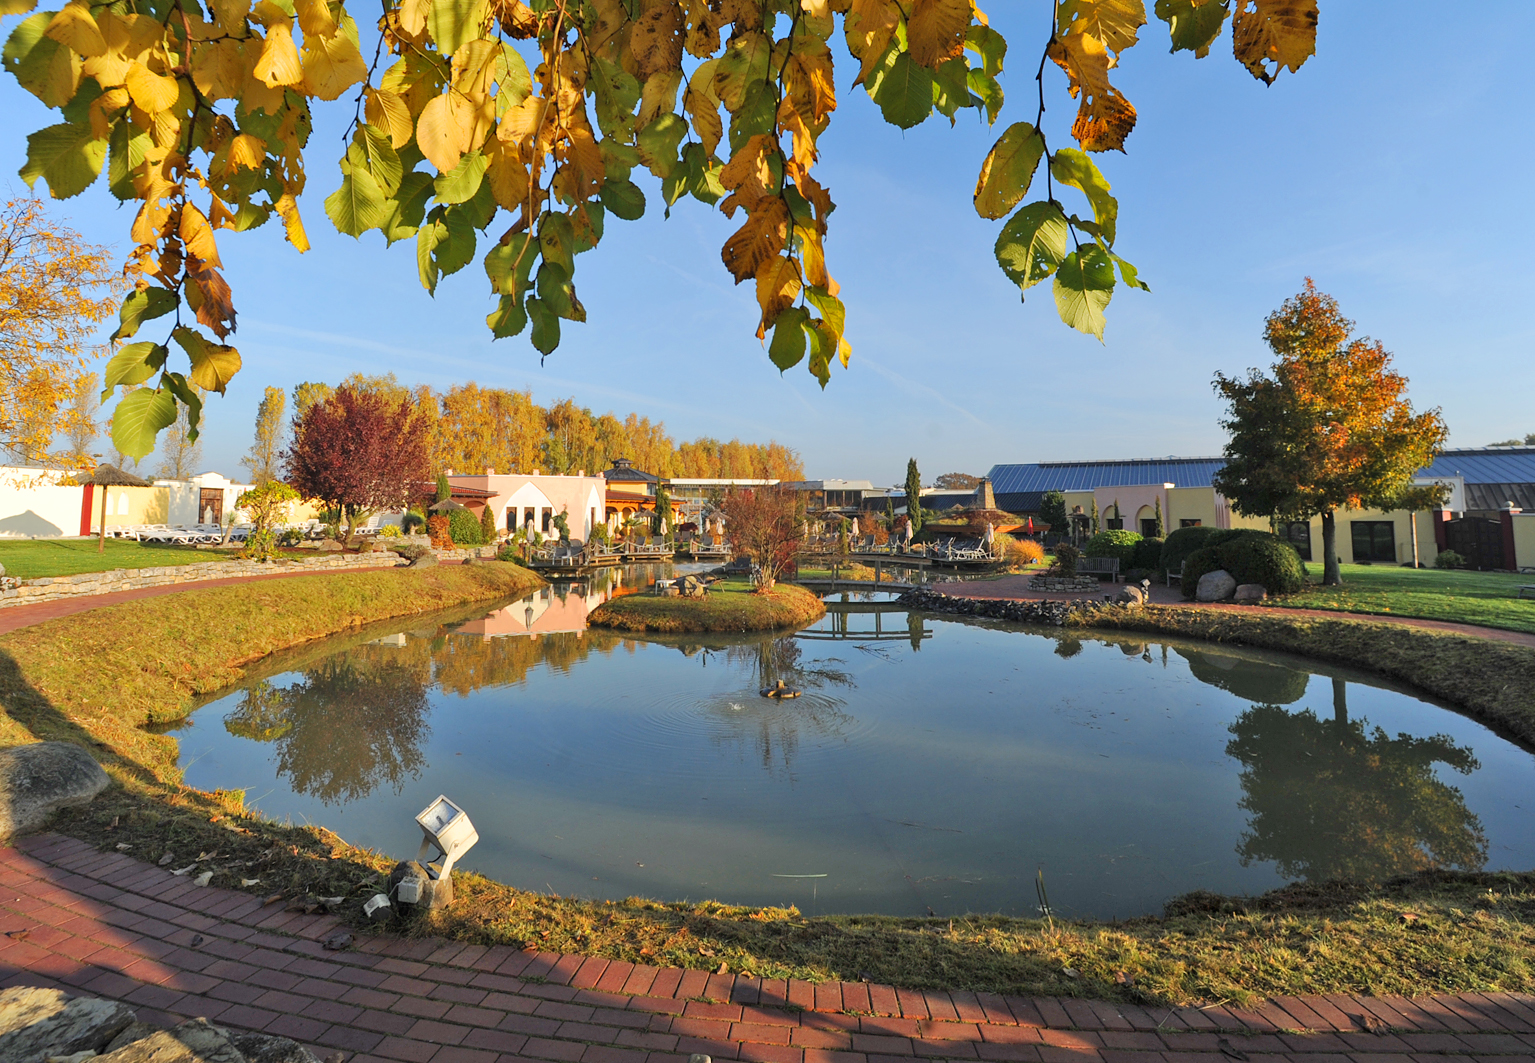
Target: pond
[{"x": 932, "y": 764}]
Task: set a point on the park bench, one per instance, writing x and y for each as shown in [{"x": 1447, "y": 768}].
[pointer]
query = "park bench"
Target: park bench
[
  {"x": 1178, "y": 575},
  {"x": 1527, "y": 587},
  {"x": 1099, "y": 566}
]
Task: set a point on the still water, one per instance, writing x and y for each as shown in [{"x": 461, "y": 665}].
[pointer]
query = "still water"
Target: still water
[{"x": 932, "y": 764}]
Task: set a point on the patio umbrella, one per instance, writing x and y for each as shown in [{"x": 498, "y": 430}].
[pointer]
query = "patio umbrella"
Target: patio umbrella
[
  {"x": 1031, "y": 526},
  {"x": 111, "y": 476}
]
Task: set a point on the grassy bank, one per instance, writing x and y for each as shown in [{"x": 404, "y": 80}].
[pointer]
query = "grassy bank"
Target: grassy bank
[
  {"x": 1486, "y": 598},
  {"x": 36, "y": 558},
  {"x": 1490, "y": 681},
  {"x": 731, "y": 605}
]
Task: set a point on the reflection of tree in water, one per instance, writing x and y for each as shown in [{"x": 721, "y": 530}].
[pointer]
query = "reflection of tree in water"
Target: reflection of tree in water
[
  {"x": 1067, "y": 646},
  {"x": 353, "y": 723},
  {"x": 1335, "y": 799},
  {"x": 772, "y": 727},
  {"x": 1270, "y": 684}
]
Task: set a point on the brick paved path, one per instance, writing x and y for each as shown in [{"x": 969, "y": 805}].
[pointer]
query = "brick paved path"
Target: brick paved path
[{"x": 108, "y": 925}]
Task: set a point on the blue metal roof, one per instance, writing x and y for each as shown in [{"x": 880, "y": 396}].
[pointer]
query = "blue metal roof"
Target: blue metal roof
[
  {"x": 1087, "y": 475},
  {"x": 1487, "y": 465},
  {"x": 1478, "y": 465}
]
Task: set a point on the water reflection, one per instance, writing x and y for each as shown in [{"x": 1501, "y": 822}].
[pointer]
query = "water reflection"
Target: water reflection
[
  {"x": 350, "y": 725},
  {"x": 1272, "y": 684}
]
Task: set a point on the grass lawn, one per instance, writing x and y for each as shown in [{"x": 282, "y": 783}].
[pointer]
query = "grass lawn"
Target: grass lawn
[
  {"x": 731, "y": 605},
  {"x": 1485, "y": 598},
  {"x": 34, "y": 558}
]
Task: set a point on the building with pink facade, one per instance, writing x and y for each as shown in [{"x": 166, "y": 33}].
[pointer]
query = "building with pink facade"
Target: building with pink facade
[{"x": 520, "y": 500}]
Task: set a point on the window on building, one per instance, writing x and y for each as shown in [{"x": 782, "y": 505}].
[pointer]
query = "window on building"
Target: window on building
[
  {"x": 1186, "y": 523},
  {"x": 1374, "y": 540},
  {"x": 527, "y": 517},
  {"x": 1149, "y": 527},
  {"x": 1298, "y": 534},
  {"x": 1115, "y": 524},
  {"x": 546, "y": 522},
  {"x": 511, "y": 518}
]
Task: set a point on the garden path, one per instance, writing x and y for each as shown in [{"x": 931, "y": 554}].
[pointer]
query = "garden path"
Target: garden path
[
  {"x": 1016, "y": 588},
  {"x": 107, "y": 925}
]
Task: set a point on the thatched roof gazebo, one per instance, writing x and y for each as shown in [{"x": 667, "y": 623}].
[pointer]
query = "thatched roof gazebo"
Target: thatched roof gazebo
[
  {"x": 111, "y": 476},
  {"x": 447, "y": 505}
]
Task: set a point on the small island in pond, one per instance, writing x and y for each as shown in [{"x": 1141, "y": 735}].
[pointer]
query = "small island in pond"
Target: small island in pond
[{"x": 729, "y": 605}]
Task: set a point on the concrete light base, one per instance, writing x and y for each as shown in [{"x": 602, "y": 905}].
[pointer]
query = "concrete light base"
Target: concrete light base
[{"x": 434, "y": 892}]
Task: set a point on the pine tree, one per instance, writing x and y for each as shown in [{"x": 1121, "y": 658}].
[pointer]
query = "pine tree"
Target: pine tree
[{"x": 913, "y": 494}]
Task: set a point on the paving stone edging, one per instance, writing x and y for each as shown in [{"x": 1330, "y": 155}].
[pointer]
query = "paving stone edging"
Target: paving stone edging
[
  {"x": 1022, "y": 610},
  {"x": 108, "y": 925},
  {"x": 55, "y": 588}
]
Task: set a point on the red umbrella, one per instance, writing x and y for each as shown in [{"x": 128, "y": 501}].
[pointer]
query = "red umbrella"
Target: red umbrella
[{"x": 1030, "y": 528}]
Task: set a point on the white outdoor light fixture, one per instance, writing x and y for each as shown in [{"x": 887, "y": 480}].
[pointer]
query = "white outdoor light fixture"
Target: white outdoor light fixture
[{"x": 447, "y": 827}]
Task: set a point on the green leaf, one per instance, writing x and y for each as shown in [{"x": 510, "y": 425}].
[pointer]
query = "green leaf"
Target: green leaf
[
  {"x": 128, "y": 148},
  {"x": 624, "y": 198},
  {"x": 139, "y": 417},
  {"x": 452, "y": 22},
  {"x": 618, "y": 159},
  {"x": 1032, "y": 245},
  {"x": 951, "y": 88},
  {"x": 546, "y": 326},
  {"x": 988, "y": 91},
  {"x": 682, "y": 177},
  {"x": 788, "y": 345},
  {"x": 408, "y": 207},
  {"x": 743, "y": 65},
  {"x": 616, "y": 92},
  {"x": 1130, "y": 274},
  {"x": 1083, "y": 287},
  {"x": 188, "y": 397},
  {"x": 376, "y": 154},
  {"x": 1072, "y": 167},
  {"x": 67, "y": 156},
  {"x": 1008, "y": 170},
  {"x": 989, "y": 45},
  {"x": 831, "y": 308},
  {"x": 460, "y": 184},
  {"x": 586, "y": 222},
  {"x": 903, "y": 90},
  {"x": 557, "y": 240},
  {"x": 457, "y": 250},
  {"x": 557, "y": 292},
  {"x": 213, "y": 364},
  {"x": 134, "y": 364},
  {"x": 658, "y": 143},
  {"x": 358, "y": 205},
  {"x": 479, "y": 209},
  {"x": 24, "y": 38},
  {"x": 431, "y": 233},
  {"x": 1194, "y": 26},
  {"x": 500, "y": 260},
  {"x": 513, "y": 82},
  {"x": 139, "y": 307},
  {"x": 508, "y": 318},
  {"x": 757, "y": 114}
]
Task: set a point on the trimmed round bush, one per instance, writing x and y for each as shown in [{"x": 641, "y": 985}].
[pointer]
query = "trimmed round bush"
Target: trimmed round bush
[
  {"x": 1449, "y": 559},
  {"x": 1180, "y": 544},
  {"x": 1148, "y": 555},
  {"x": 464, "y": 527},
  {"x": 1115, "y": 542},
  {"x": 1250, "y": 557}
]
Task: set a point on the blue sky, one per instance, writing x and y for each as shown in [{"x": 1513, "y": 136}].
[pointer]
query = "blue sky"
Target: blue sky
[{"x": 1388, "y": 169}]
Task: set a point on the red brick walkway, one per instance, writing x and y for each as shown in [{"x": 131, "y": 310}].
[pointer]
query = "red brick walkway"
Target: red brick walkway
[
  {"x": 108, "y": 925},
  {"x": 19, "y": 616}
]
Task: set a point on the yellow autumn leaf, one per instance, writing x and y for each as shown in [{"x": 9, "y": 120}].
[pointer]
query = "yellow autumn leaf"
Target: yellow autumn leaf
[
  {"x": 869, "y": 26},
  {"x": 314, "y": 18},
  {"x": 151, "y": 92},
  {"x": 230, "y": 14},
  {"x": 936, "y": 30},
  {"x": 386, "y": 110},
  {"x": 197, "y": 235},
  {"x": 331, "y": 65},
  {"x": 1104, "y": 117},
  {"x": 659, "y": 95},
  {"x": 507, "y": 174},
  {"x": 219, "y": 69},
  {"x": 703, "y": 106},
  {"x": 445, "y": 130},
  {"x": 246, "y": 152},
  {"x": 747, "y": 176},
  {"x": 293, "y": 225},
  {"x": 521, "y": 122},
  {"x": 656, "y": 37},
  {"x": 812, "y": 255},
  {"x": 1114, "y": 22},
  {"x": 413, "y": 16},
  {"x": 1281, "y": 32},
  {"x": 778, "y": 285},
  {"x": 762, "y": 237},
  {"x": 279, "y": 62},
  {"x": 76, "y": 29}
]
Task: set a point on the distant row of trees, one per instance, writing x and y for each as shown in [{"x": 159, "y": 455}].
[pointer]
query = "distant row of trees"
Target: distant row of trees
[{"x": 469, "y": 428}]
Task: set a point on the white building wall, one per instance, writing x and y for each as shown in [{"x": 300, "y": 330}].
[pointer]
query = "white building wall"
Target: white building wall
[{"x": 34, "y": 504}]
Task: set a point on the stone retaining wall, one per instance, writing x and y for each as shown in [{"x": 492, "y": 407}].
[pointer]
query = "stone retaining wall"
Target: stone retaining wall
[
  {"x": 1055, "y": 614},
  {"x": 1063, "y": 583},
  {"x": 53, "y": 588}
]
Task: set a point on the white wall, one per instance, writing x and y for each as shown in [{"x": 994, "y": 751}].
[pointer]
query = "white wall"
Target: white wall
[{"x": 34, "y": 504}]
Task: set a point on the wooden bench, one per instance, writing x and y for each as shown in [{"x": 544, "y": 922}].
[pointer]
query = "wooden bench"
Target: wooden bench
[
  {"x": 1099, "y": 566},
  {"x": 1527, "y": 587},
  {"x": 1171, "y": 575}
]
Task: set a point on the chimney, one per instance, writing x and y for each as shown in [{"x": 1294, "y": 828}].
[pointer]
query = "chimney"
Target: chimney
[
  {"x": 489, "y": 471},
  {"x": 447, "y": 472}
]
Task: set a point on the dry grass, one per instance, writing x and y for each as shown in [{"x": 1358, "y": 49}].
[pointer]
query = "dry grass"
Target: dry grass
[{"x": 731, "y": 605}]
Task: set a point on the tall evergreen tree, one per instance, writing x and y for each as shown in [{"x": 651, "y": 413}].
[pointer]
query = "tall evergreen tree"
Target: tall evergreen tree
[{"x": 913, "y": 495}]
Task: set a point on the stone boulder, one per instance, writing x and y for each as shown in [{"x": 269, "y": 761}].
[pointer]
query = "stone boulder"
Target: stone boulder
[
  {"x": 39, "y": 779},
  {"x": 38, "y": 1023},
  {"x": 265, "y": 1048},
  {"x": 1131, "y": 595},
  {"x": 1250, "y": 592},
  {"x": 1215, "y": 586},
  {"x": 434, "y": 892},
  {"x": 197, "y": 1041},
  {"x": 424, "y": 561},
  {"x": 330, "y": 546}
]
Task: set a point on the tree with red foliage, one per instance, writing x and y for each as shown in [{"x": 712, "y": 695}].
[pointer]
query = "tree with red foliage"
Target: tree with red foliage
[
  {"x": 763, "y": 525},
  {"x": 358, "y": 452}
]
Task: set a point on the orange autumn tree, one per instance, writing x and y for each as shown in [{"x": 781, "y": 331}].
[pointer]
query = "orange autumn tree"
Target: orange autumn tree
[
  {"x": 54, "y": 289},
  {"x": 1330, "y": 430},
  {"x": 553, "y": 111}
]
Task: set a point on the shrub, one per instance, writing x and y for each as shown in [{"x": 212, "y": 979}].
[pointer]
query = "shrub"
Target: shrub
[
  {"x": 488, "y": 525},
  {"x": 464, "y": 528},
  {"x": 1148, "y": 555},
  {"x": 410, "y": 551},
  {"x": 261, "y": 544},
  {"x": 1066, "y": 557},
  {"x": 1180, "y": 544},
  {"x": 389, "y": 531},
  {"x": 1116, "y": 542},
  {"x": 437, "y": 527},
  {"x": 1250, "y": 557},
  {"x": 510, "y": 553},
  {"x": 1020, "y": 551},
  {"x": 1449, "y": 559},
  {"x": 291, "y": 537},
  {"x": 412, "y": 521}
]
